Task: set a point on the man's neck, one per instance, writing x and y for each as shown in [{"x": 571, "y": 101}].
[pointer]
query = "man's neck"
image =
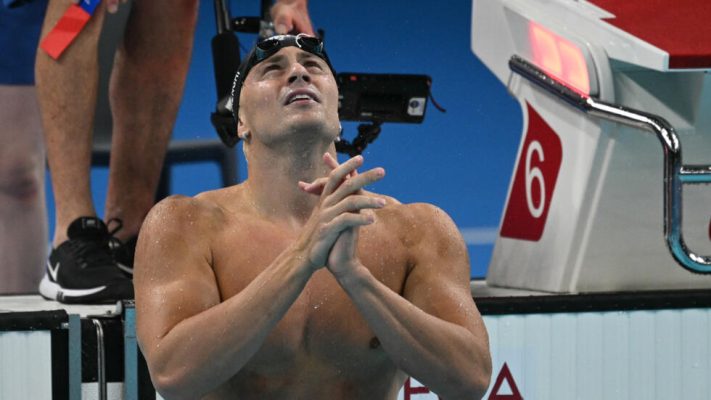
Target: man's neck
[{"x": 272, "y": 182}]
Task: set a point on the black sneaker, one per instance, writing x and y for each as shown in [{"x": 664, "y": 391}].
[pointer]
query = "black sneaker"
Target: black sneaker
[
  {"x": 123, "y": 253},
  {"x": 83, "y": 270}
]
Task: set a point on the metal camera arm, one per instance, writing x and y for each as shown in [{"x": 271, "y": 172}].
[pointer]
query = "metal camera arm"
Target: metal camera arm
[
  {"x": 226, "y": 60},
  {"x": 367, "y": 133}
]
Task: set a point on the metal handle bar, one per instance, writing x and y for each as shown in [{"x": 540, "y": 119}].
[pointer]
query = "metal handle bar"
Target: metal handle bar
[
  {"x": 675, "y": 174},
  {"x": 100, "y": 359}
]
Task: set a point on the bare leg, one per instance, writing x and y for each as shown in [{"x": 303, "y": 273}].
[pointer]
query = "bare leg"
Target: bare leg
[
  {"x": 23, "y": 217},
  {"x": 146, "y": 88},
  {"x": 67, "y": 94}
]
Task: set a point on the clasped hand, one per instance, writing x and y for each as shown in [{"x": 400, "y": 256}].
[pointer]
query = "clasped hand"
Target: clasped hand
[{"x": 330, "y": 237}]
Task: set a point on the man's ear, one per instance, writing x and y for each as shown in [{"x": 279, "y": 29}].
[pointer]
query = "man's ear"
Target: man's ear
[{"x": 242, "y": 129}]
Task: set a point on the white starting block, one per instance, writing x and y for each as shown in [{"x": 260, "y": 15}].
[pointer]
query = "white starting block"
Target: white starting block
[
  {"x": 611, "y": 93},
  {"x": 55, "y": 351}
]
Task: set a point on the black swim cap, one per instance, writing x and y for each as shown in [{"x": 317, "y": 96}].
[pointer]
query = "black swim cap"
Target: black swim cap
[{"x": 267, "y": 48}]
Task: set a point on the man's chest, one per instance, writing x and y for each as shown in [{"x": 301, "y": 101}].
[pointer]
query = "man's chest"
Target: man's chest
[
  {"x": 240, "y": 255},
  {"x": 322, "y": 325}
]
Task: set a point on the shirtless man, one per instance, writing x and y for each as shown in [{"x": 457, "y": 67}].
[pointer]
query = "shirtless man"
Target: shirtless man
[{"x": 281, "y": 289}]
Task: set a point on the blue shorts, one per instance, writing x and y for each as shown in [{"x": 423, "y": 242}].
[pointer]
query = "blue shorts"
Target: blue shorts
[{"x": 19, "y": 37}]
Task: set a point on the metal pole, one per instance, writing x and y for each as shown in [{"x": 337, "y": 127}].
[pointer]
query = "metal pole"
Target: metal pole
[
  {"x": 100, "y": 359},
  {"x": 222, "y": 16}
]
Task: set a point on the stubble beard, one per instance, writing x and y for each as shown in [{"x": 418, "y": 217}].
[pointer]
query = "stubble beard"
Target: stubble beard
[{"x": 306, "y": 135}]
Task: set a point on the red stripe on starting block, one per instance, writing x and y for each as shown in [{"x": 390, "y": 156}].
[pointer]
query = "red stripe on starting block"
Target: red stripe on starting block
[{"x": 66, "y": 30}]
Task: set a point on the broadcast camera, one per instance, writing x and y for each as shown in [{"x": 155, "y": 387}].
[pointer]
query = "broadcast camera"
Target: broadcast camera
[{"x": 371, "y": 98}]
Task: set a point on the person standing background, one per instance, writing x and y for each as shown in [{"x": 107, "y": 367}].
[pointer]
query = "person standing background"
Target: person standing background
[
  {"x": 89, "y": 263},
  {"x": 23, "y": 215}
]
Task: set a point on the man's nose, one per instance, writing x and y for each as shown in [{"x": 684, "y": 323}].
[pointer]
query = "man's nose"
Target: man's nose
[{"x": 297, "y": 72}]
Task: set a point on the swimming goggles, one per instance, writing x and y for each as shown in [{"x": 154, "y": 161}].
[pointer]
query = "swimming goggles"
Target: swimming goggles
[{"x": 267, "y": 48}]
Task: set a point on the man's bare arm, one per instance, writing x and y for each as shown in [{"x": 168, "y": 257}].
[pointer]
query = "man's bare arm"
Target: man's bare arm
[
  {"x": 435, "y": 332},
  {"x": 191, "y": 340}
]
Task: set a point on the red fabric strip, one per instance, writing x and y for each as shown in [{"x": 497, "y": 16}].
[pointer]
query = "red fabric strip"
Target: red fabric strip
[{"x": 66, "y": 30}]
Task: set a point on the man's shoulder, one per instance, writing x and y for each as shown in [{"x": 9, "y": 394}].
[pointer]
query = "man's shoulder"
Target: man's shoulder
[
  {"x": 415, "y": 222},
  {"x": 413, "y": 212},
  {"x": 179, "y": 205},
  {"x": 184, "y": 214}
]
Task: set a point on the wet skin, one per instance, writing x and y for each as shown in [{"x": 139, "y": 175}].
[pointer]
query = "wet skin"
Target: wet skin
[
  {"x": 257, "y": 291},
  {"x": 322, "y": 347}
]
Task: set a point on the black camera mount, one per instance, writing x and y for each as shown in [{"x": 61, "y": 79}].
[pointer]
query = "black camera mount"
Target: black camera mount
[{"x": 367, "y": 133}]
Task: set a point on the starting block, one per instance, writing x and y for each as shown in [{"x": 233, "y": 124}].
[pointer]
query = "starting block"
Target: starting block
[{"x": 601, "y": 198}]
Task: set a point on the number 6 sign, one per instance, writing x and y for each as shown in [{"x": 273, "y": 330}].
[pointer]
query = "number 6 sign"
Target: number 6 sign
[{"x": 534, "y": 181}]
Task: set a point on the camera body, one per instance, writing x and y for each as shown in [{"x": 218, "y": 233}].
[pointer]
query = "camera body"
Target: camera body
[
  {"x": 363, "y": 97},
  {"x": 382, "y": 97}
]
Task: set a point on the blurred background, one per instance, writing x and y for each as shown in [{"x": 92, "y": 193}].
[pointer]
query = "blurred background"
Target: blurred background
[{"x": 460, "y": 160}]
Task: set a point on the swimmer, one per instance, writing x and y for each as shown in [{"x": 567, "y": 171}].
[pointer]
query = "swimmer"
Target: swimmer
[{"x": 298, "y": 283}]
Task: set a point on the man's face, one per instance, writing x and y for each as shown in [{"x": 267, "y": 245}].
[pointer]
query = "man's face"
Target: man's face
[{"x": 289, "y": 93}]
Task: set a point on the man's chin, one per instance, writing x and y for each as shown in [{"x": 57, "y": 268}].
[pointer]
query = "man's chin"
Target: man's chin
[{"x": 313, "y": 129}]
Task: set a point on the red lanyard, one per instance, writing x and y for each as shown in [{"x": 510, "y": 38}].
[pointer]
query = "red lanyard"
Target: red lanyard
[{"x": 68, "y": 27}]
